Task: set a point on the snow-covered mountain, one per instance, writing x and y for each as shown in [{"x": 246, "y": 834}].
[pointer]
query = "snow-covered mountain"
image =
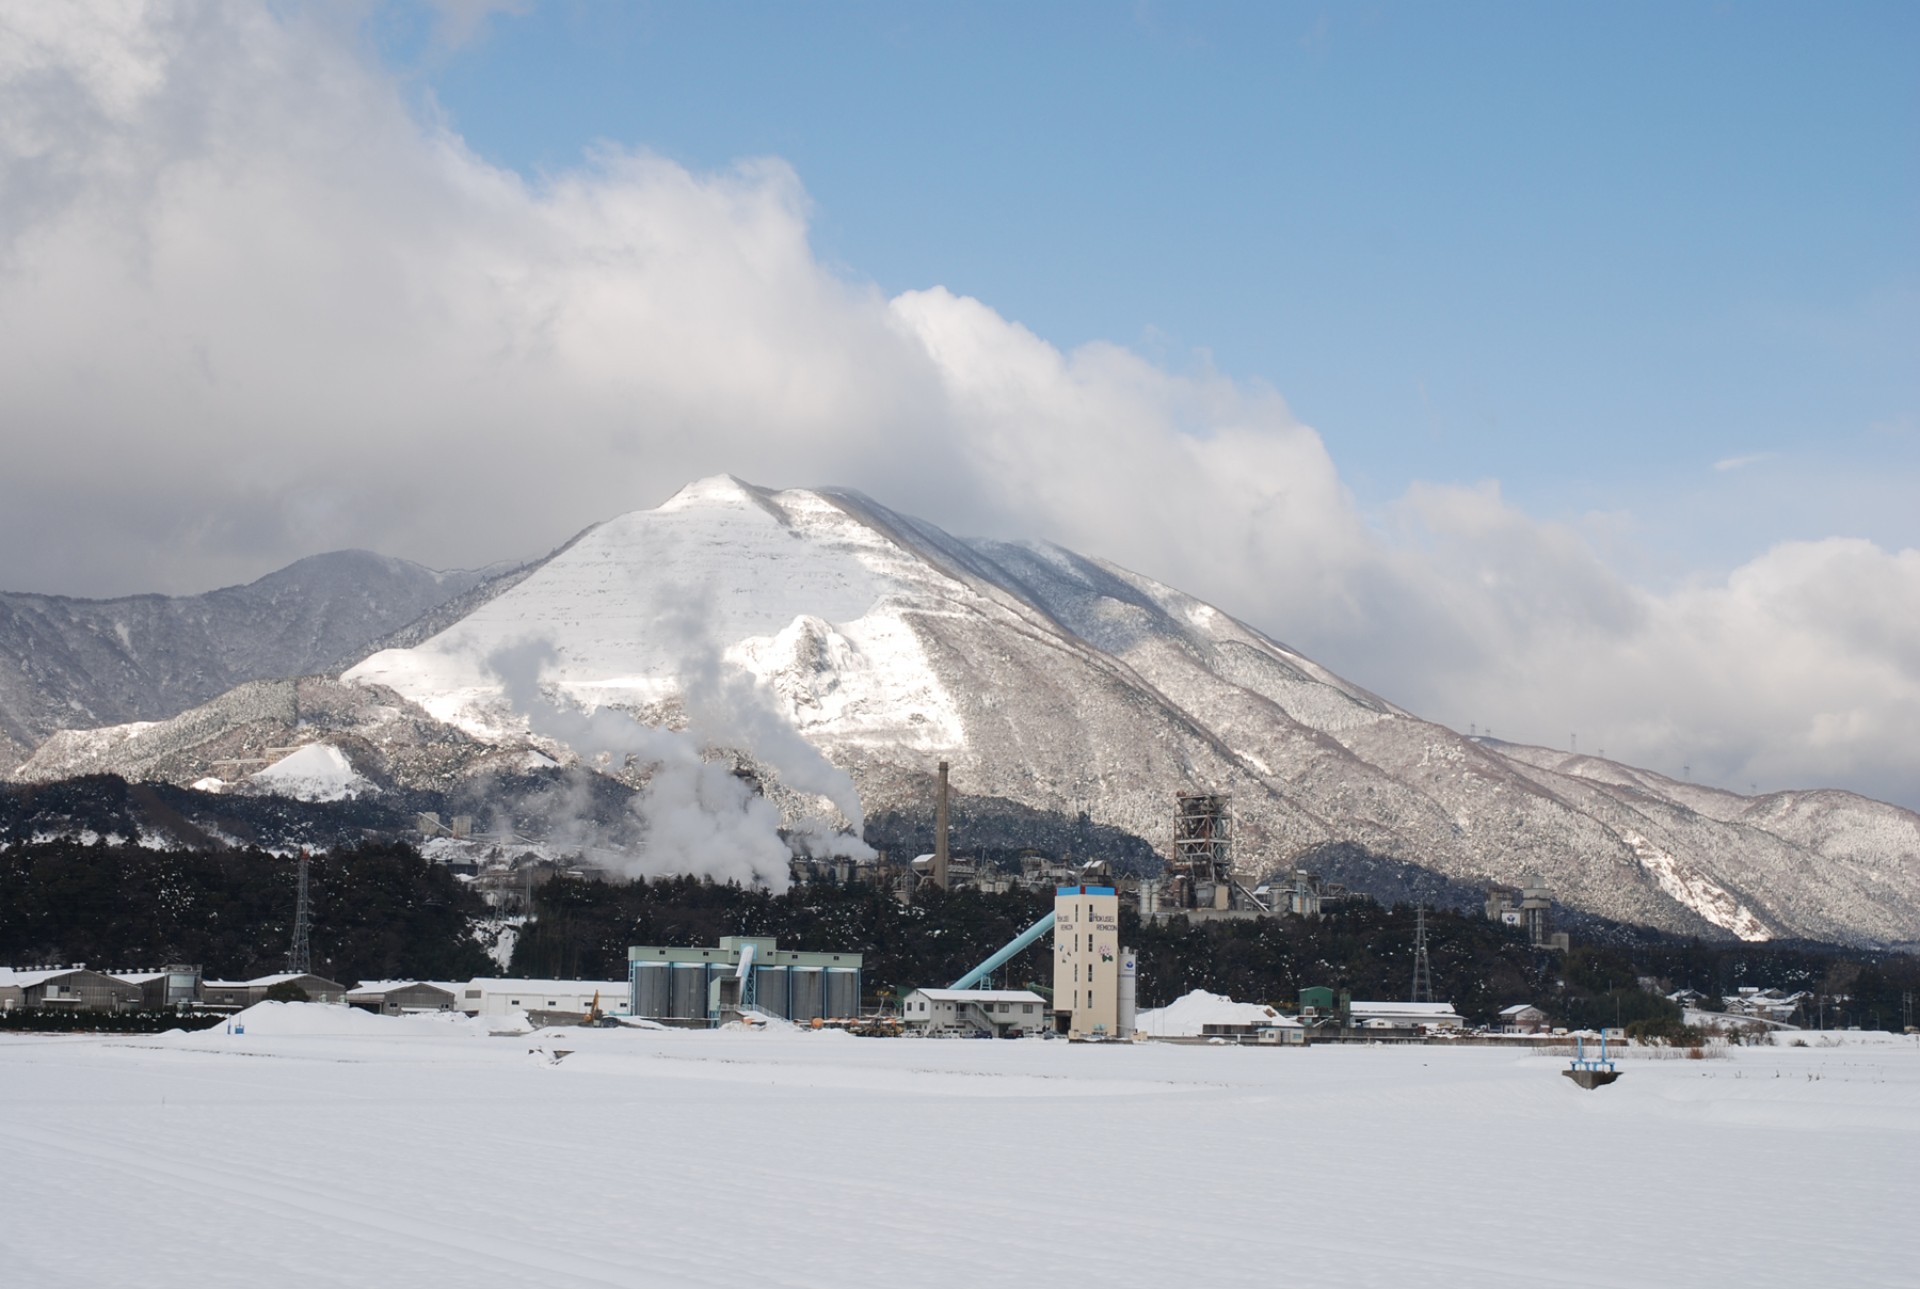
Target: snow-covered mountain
[
  {"x": 68, "y": 663},
  {"x": 1069, "y": 684},
  {"x": 1066, "y": 684}
]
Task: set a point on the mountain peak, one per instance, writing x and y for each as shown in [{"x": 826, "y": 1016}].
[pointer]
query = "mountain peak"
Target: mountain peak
[
  {"x": 715, "y": 489},
  {"x": 1060, "y": 682}
]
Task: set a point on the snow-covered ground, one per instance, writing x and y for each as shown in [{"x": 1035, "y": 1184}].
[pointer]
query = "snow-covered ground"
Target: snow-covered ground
[{"x": 325, "y": 1147}]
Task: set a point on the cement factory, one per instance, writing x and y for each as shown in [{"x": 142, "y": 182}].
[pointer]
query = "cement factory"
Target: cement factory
[
  {"x": 751, "y": 980},
  {"x": 745, "y": 979},
  {"x": 1093, "y": 996}
]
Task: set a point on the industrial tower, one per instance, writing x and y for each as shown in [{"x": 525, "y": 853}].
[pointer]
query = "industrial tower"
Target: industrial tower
[{"x": 1202, "y": 869}]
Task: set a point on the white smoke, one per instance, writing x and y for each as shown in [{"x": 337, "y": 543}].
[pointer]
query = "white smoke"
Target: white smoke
[
  {"x": 727, "y": 707},
  {"x": 697, "y": 815}
]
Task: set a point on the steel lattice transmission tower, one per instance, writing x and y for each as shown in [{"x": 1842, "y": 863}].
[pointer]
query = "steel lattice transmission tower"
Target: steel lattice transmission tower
[
  {"x": 300, "y": 956},
  {"x": 1422, "y": 966}
]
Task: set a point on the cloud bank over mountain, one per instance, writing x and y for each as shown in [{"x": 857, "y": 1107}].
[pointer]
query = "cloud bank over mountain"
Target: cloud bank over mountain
[{"x": 255, "y": 302}]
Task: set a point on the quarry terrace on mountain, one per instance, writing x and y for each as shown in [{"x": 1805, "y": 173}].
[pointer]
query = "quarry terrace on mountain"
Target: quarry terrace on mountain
[{"x": 835, "y": 653}]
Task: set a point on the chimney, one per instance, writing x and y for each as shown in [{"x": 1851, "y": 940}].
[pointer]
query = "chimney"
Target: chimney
[{"x": 940, "y": 833}]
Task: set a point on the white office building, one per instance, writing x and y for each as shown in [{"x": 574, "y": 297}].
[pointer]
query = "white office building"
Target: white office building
[{"x": 1003, "y": 1013}]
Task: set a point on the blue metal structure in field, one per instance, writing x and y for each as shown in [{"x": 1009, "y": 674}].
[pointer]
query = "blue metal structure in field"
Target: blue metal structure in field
[{"x": 1591, "y": 1072}]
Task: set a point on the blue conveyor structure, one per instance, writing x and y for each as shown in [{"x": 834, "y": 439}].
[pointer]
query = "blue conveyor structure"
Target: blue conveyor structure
[{"x": 1004, "y": 954}]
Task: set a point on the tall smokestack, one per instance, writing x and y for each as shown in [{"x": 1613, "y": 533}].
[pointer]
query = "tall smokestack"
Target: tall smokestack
[{"x": 940, "y": 833}]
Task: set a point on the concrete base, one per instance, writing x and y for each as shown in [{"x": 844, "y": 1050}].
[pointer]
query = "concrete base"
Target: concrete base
[{"x": 1591, "y": 1079}]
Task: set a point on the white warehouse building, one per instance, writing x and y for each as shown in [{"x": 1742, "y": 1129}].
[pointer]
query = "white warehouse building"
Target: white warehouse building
[
  {"x": 492, "y": 996},
  {"x": 1405, "y": 1016}
]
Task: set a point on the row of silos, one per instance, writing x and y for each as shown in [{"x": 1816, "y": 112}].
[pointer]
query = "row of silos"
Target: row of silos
[
  {"x": 804, "y": 993},
  {"x": 683, "y": 990}
]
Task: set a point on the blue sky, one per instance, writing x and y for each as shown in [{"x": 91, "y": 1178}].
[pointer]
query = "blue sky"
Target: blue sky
[
  {"x": 1590, "y": 252},
  {"x": 1605, "y": 320}
]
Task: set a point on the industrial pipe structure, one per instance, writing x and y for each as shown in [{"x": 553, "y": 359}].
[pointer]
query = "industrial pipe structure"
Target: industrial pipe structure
[
  {"x": 744, "y": 974},
  {"x": 1004, "y": 954}
]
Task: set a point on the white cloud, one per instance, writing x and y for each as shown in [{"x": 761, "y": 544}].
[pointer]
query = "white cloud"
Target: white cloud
[
  {"x": 253, "y": 306},
  {"x": 1742, "y": 462}
]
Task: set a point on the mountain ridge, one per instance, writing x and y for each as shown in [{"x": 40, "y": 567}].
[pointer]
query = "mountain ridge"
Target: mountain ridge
[
  {"x": 1072, "y": 685},
  {"x": 67, "y": 662}
]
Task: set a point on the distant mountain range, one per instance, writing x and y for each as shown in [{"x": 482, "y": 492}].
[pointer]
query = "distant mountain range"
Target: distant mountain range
[
  {"x": 1047, "y": 678},
  {"x": 75, "y": 664}
]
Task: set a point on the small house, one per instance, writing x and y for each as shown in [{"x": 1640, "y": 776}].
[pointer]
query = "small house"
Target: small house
[{"x": 1522, "y": 1018}]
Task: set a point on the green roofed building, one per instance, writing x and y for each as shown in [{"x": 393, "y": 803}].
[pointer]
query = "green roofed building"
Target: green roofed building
[{"x": 742, "y": 973}]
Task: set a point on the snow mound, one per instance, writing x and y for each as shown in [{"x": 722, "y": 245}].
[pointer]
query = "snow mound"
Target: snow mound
[
  {"x": 317, "y": 772},
  {"x": 1184, "y": 1017},
  {"x": 330, "y": 1020}
]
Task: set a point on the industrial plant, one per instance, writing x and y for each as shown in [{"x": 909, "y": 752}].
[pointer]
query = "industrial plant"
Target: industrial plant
[
  {"x": 744, "y": 976},
  {"x": 1090, "y": 994}
]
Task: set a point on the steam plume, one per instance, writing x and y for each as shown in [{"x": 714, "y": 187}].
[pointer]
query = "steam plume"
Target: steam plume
[{"x": 697, "y": 815}]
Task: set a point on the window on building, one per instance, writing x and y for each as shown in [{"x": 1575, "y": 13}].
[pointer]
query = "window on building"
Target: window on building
[{"x": 1089, "y": 942}]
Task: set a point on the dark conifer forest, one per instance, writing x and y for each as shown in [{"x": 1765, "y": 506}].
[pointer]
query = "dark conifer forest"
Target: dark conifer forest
[{"x": 381, "y": 911}]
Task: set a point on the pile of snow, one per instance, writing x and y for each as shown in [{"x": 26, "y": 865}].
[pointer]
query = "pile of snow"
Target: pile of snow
[
  {"x": 317, "y": 772},
  {"x": 1839, "y": 1038},
  {"x": 1184, "y": 1017},
  {"x": 329, "y": 1020}
]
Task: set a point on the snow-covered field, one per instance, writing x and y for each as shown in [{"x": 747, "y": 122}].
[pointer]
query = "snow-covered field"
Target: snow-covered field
[{"x": 326, "y": 1147}]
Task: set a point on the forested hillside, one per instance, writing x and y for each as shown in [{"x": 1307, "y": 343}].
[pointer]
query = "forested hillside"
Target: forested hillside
[
  {"x": 379, "y": 912},
  {"x": 383, "y": 912}
]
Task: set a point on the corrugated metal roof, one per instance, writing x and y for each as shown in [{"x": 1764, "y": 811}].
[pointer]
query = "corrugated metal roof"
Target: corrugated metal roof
[
  {"x": 27, "y": 979},
  {"x": 497, "y": 985},
  {"x": 380, "y": 988},
  {"x": 980, "y": 995}
]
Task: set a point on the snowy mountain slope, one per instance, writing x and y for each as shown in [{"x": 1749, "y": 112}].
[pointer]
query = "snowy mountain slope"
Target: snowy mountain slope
[
  {"x": 67, "y": 663},
  {"x": 1069, "y": 684},
  {"x": 1055, "y": 681},
  {"x": 383, "y": 737}
]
